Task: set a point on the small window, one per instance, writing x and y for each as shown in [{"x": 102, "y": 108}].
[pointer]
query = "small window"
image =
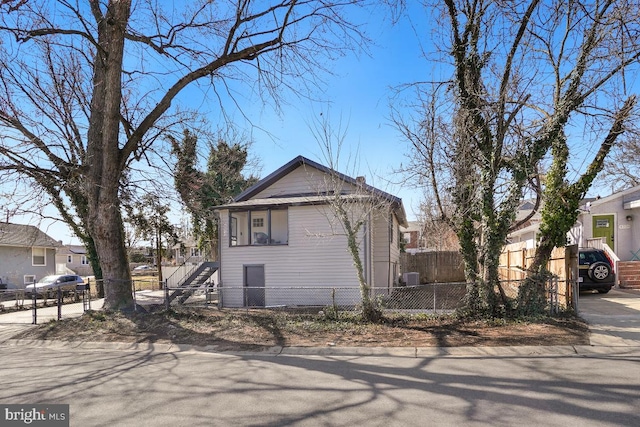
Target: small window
[
  {"x": 258, "y": 222},
  {"x": 195, "y": 252},
  {"x": 69, "y": 259},
  {"x": 407, "y": 238},
  {"x": 602, "y": 223},
  {"x": 38, "y": 257},
  {"x": 84, "y": 260},
  {"x": 29, "y": 279}
]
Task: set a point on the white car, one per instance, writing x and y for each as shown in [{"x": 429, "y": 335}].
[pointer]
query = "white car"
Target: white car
[{"x": 47, "y": 287}]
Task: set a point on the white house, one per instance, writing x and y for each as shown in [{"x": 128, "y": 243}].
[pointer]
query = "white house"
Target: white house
[
  {"x": 615, "y": 219},
  {"x": 611, "y": 223},
  {"x": 281, "y": 244},
  {"x": 73, "y": 258}
]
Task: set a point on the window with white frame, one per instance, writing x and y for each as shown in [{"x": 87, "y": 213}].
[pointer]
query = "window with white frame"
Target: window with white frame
[
  {"x": 84, "y": 260},
  {"x": 195, "y": 252},
  {"x": 259, "y": 227},
  {"x": 29, "y": 279},
  {"x": 38, "y": 257},
  {"x": 69, "y": 259},
  {"x": 407, "y": 238}
]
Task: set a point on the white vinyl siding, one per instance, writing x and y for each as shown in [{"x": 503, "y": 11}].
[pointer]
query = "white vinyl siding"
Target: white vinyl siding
[
  {"x": 316, "y": 256},
  {"x": 395, "y": 254},
  {"x": 303, "y": 180},
  {"x": 381, "y": 246}
]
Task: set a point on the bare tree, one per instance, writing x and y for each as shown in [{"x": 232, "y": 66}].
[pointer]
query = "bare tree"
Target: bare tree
[
  {"x": 622, "y": 167},
  {"x": 86, "y": 88},
  {"x": 355, "y": 209},
  {"x": 525, "y": 76},
  {"x": 436, "y": 232}
]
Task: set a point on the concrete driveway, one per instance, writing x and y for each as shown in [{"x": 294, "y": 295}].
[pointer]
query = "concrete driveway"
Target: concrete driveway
[{"x": 614, "y": 318}]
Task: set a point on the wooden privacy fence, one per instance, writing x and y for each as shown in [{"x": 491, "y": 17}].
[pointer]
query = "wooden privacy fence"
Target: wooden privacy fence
[
  {"x": 516, "y": 258},
  {"x": 434, "y": 267}
]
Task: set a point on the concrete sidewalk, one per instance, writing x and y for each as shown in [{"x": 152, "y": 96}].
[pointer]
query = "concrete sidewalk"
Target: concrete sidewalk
[
  {"x": 614, "y": 318},
  {"x": 614, "y": 322},
  {"x": 46, "y": 314}
]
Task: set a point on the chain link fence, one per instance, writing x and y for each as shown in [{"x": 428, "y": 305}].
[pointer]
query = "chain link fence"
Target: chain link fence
[
  {"x": 38, "y": 308},
  {"x": 425, "y": 298},
  {"x": 11, "y": 299},
  {"x": 431, "y": 298},
  {"x": 561, "y": 294}
]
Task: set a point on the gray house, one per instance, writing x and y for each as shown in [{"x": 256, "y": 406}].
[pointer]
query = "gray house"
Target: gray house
[{"x": 26, "y": 254}]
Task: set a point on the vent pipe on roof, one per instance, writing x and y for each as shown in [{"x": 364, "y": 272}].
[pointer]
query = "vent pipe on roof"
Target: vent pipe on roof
[{"x": 361, "y": 180}]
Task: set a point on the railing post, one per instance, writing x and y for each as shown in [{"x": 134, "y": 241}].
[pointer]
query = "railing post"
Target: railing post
[
  {"x": 34, "y": 298},
  {"x": 435, "y": 305},
  {"x": 59, "y": 303},
  {"x": 166, "y": 296}
]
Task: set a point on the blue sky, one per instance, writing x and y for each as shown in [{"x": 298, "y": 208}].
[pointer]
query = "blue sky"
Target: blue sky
[
  {"x": 358, "y": 94},
  {"x": 358, "y": 97}
]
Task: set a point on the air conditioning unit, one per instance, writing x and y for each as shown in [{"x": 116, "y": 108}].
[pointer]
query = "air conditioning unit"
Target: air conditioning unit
[{"x": 411, "y": 279}]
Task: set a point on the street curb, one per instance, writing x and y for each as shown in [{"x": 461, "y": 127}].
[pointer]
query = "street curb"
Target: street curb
[{"x": 408, "y": 352}]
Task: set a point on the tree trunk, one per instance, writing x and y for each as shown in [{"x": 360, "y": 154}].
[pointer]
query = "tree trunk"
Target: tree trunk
[{"x": 103, "y": 150}]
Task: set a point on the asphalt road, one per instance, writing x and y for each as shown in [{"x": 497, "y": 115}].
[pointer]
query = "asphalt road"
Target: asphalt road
[
  {"x": 186, "y": 388},
  {"x": 112, "y": 385}
]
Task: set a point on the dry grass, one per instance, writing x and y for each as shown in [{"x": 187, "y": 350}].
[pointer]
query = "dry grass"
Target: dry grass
[{"x": 258, "y": 329}]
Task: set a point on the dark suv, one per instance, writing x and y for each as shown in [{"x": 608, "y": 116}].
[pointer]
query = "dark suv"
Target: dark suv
[{"x": 595, "y": 270}]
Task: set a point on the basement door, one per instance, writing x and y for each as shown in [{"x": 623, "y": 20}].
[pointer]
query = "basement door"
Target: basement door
[{"x": 254, "y": 285}]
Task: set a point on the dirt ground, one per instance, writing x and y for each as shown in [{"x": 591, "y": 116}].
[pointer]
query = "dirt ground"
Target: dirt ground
[{"x": 229, "y": 330}]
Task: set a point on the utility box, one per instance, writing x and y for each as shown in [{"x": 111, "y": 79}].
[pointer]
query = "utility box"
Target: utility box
[{"x": 411, "y": 279}]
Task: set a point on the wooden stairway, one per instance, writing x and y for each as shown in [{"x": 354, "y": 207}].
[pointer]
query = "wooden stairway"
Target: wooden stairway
[{"x": 629, "y": 274}]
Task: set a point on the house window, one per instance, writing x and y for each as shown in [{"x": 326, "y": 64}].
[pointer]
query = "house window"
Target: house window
[
  {"x": 84, "y": 260},
  {"x": 233, "y": 231},
  {"x": 259, "y": 227},
  {"x": 38, "y": 257},
  {"x": 195, "y": 252},
  {"x": 407, "y": 238},
  {"x": 69, "y": 259},
  {"x": 29, "y": 279}
]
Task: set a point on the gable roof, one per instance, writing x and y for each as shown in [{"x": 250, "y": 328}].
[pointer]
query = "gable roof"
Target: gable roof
[
  {"x": 289, "y": 167},
  {"x": 21, "y": 235},
  {"x": 630, "y": 198},
  {"x": 72, "y": 250}
]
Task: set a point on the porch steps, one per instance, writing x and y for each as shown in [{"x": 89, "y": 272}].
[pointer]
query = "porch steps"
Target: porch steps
[
  {"x": 629, "y": 274},
  {"x": 193, "y": 281}
]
